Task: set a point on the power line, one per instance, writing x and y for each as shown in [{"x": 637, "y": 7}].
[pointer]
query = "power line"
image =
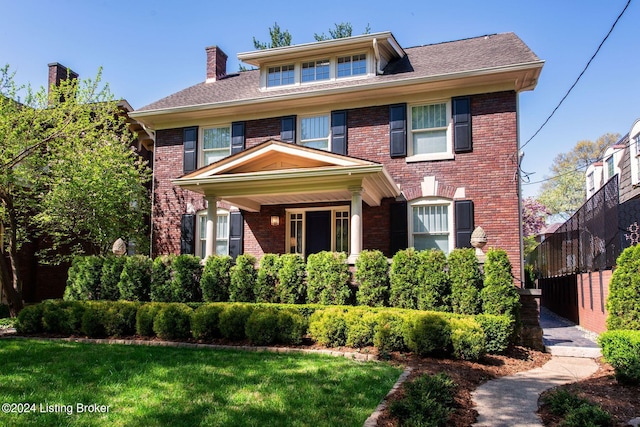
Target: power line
[{"x": 579, "y": 76}]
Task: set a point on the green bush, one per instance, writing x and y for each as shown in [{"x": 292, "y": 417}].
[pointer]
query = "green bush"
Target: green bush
[
  {"x": 574, "y": 410},
  {"x": 93, "y": 319},
  {"x": 291, "y": 288},
  {"x": 55, "y": 318},
  {"x": 160, "y": 287},
  {"x": 262, "y": 326},
  {"x": 328, "y": 278},
  {"x": 389, "y": 335},
  {"x": 292, "y": 326},
  {"x": 498, "y": 331},
  {"x": 243, "y": 279},
  {"x": 83, "y": 282},
  {"x": 185, "y": 279},
  {"x": 215, "y": 279},
  {"x": 466, "y": 281},
  {"x": 428, "y": 401},
  {"x": 205, "y": 320},
  {"x": 135, "y": 280},
  {"x": 403, "y": 278},
  {"x": 467, "y": 339},
  {"x": 621, "y": 348},
  {"x": 233, "y": 321},
  {"x": 499, "y": 295},
  {"x": 267, "y": 278},
  {"x": 623, "y": 303},
  {"x": 427, "y": 334},
  {"x": 110, "y": 276},
  {"x": 173, "y": 321},
  {"x": 361, "y": 327},
  {"x": 372, "y": 276},
  {"x": 120, "y": 318},
  {"x": 30, "y": 319},
  {"x": 329, "y": 327},
  {"x": 434, "y": 289},
  {"x": 144, "y": 319}
]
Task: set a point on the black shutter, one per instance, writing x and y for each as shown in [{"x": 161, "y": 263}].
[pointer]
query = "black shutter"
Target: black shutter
[
  {"x": 187, "y": 234},
  {"x": 237, "y": 137},
  {"x": 398, "y": 130},
  {"x": 399, "y": 233},
  {"x": 464, "y": 223},
  {"x": 288, "y": 129},
  {"x": 190, "y": 147},
  {"x": 236, "y": 234},
  {"x": 462, "y": 124},
  {"x": 339, "y": 132}
]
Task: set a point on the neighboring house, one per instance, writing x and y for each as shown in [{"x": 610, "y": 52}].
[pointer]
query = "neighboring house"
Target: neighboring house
[
  {"x": 623, "y": 160},
  {"x": 343, "y": 145}
]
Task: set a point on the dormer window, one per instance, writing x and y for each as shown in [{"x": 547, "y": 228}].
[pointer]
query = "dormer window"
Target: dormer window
[
  {"x": 353, "y": 65},
  {"x": 281, "y": 75},
  {"x": 315, "y": 70}
]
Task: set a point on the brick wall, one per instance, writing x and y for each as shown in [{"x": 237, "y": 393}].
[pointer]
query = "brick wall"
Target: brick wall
[
  {"x": 488, "y": 175},
  {"x": 593, "y": 290}
]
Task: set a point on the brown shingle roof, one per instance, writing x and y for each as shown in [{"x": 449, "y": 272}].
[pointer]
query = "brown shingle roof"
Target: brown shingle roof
[{"x": 479, "y": 53}]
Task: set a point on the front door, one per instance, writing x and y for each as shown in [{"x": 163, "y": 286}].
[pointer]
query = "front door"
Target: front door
[{"x": 318, "y": 232}]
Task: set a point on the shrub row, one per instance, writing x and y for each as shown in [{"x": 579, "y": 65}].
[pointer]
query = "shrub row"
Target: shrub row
[
  {"x": 424, "y": 280},
  {"x": 621, "y": 348},
  {"x": 261, "y": 325},
  {"x": 425, "y": 333}
]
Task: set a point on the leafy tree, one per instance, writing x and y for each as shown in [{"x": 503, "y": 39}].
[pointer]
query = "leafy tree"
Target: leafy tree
[
  {"x": 341, "y": 30},
  {"x": 534, "y": 215},
  {"x": 279, "y": 38},
  {"x": 67, "y": 174},
  {"x": 565, "y": 192}
]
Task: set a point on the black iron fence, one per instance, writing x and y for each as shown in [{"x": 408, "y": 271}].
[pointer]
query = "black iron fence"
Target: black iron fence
[{"x": 592, "y": 238}]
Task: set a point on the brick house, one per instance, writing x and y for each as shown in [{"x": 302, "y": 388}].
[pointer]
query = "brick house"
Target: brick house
[{"x": 343, "y": 145}]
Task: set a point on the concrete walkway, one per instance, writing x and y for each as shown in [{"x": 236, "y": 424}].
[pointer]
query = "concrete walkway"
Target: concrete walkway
[{"x": 512, "y": 401}]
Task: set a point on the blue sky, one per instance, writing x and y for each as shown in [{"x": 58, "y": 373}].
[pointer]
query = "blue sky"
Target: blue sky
[{"x": 150, "y": 49}]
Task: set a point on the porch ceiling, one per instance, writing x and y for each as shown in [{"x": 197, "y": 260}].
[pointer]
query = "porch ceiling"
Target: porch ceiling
[{"x": 276, "y": 173}]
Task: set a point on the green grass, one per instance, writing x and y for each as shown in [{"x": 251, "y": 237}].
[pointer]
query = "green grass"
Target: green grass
[{"x": 160, "y": 386}]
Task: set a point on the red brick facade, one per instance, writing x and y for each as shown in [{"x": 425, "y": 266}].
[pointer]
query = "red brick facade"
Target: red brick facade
[{"x": 488, "y": 175}]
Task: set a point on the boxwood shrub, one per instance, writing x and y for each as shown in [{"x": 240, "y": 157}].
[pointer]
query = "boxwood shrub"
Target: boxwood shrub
[
  {"x": 173, "y": 321},
  {"x": 292, "y": 326},
  {"x": 329, "y": 327},
  {"x": 30, "y": 319},
  {"x": 120, "y": 318},
  {"x": 262, "y": 326},
  {"x": 144, "y": 318},
  {"x": 389, "y": 333},
  {"x": 328, "y": 278},
  {"x": 233, "y": 321},
  {"x": 93, "y": 319},
  {"x": 361, "y": 328},
  {"x": 621, "y": 348},
  {"x": 427, "y": 334},
  {"x": 467, "y": 339},
  {"x": 205, "y": 320}
]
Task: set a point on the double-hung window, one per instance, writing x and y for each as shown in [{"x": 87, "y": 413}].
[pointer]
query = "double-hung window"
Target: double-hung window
[
  {"x": 429, "y": 129},
  {"x": 222, "y": 233},
  {"x": 314, "y": 132},
  {"x": 216, "y": 144},
  {"x": 610, "y": 167},
  {"x": 315, "y": 70},
  {"x": 353, "y": 65},
  {"x": 281, "y": 75},
  {"x": 431, "y": 223}
]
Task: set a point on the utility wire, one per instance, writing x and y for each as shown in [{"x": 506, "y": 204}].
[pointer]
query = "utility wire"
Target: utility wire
[{"x": 579, "y": 76}]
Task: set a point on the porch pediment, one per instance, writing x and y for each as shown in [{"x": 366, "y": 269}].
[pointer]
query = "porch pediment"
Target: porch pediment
[{"x": 276, "y": 172}]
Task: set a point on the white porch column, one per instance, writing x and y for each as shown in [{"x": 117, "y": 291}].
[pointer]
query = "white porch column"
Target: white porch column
[
  {"x": 212, "y": 222},
  {"x": 356, "y": 224}
]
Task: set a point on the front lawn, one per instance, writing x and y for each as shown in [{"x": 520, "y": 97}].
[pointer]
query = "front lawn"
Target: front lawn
[{"x": 159, "y": 386}]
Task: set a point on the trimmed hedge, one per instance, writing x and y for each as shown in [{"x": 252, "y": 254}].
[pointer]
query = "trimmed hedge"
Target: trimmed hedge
[
  {"x": 388, "y": 329},
  {"x": 328, "y": 278},
  {"x": 135, "y": 280},
  {"x": 434, "y": 289},
  {"x": 215, "y": 278},
  {"x": 621, "y": 348},
  {"x": 499, "y": 295},
  {"x": 466, "y": 281},
  {"x": 243, "y": 279},
  {"x": 160, "y": 290},
  {"x": 372, "y": 276},
  {"x": 292, "y": 287},
  {"x": 267, "y": 278}
]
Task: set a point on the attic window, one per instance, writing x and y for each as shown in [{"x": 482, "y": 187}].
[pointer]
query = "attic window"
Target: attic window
[
  {"x": 352, "y": 65},
  {"x": 281, "y": 75},
  {"x": 315, "y": 70}
]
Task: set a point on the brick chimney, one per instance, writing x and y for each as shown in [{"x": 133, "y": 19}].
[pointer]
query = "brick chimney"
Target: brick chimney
[
  {"x": 216, "y": 63},
  {"x": 58, "y": 73}
]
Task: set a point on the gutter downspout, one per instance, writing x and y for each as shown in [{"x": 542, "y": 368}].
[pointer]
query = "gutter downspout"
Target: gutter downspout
[{"x": 377, "y": 55}]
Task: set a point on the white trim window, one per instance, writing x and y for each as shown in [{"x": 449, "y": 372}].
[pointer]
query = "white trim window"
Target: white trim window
[
  {"x": 296, "y": 237},
  {"x": 610, "y": 167},
  {"x": 216, "y": 144},
  {"x": 431, "y": 224},
  {"x": 222, "y": 233},
  {"x": 315, "y": 70},
  {"x": 430, "y": 135},
  {"x": 314, "y": 132},
  {"x": 281, "y": 75},
  {"x": 352, "y": 65}
]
